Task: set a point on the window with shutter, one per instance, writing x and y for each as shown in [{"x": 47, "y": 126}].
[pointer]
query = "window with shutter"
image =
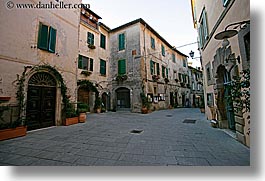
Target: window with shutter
[
  {"x": 103, "y": 41},
  {"x": 203, "y": 29},
  {"x": 43, "y": 37},
  {"x": 121, "y": 67},
  {"x": 90, "y": 38},
  {"x": 163, "y": 50},
  {"x": 121, "y": 42},
  {"x": 163, "y": 71},
  {"x": 102, "y": 67},
  {"x": 91, "y": 65},
  {"x": 151, "y": 67},
  {"x": 173, "y": 58},
  {"x": 52, "y": 40},
  {"x": 152, "y": 43},
  {"x": 46, "y": 38},
  {"x": 157, "y": 69},
  {"x": 166, "y": 72}
]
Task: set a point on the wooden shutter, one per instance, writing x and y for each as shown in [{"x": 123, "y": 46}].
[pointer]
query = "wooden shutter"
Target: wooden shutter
[
  {"x": 151, "y": 67},
  {"x": 43, "y": 37},
  {"x": 103, "y": 41},
  {"x": 121, "y": 41},
  {"x": 52, "y": 40},
  {"x": 80, "y": 62},
  {"x": 102, "y": 67},
  {"x": 121, "y": 67},
  {"x": 90, "y": 38},
  {"x": 205, "y": 25},
  {"x": 91, "y": 64},
  {"x": 157, "y": 69}
]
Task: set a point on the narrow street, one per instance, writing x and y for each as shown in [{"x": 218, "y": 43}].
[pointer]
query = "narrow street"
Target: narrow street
[{"x": 178, "y": 137}]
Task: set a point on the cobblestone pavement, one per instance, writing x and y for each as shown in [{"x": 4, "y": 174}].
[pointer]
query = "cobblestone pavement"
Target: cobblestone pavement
[{"x": 106, "y": 140}]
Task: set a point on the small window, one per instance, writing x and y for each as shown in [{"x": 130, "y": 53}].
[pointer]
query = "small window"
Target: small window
[
  {"x": 163, "y": 72},
  {"x": 173, "y": 58},
  {"x": 152, "y": 67},
  {"x": 47, "y": 38},
  {"x": 103, "y": 67},
  {"x": 184, "y": 63},
  {"x": 90, "y": 38},
  {"x": 203, "y": 29},
  {"x": 180, "y": 77},
  {"x": 122, "y": 67},
  {"x": 153, "y": 43},
  {"x": 85, "y": 63},
  {"x": 103, "y": 41},
  {"x": 163, "y": 50},
  {"x": 121, "y": 41}
]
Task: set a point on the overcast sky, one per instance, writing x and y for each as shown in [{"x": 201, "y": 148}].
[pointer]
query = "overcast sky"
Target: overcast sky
[{"x": 172, "y": 19}]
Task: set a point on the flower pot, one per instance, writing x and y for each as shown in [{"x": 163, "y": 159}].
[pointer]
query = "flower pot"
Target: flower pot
[
  {"x": 144, "y": 110},
  {"x": 82, "y": 118},
  {"x": 70, "y": 121},
  {"x": 98, "y": 110},
  {"x": 202, "y": 110},
  {"x": 13, "y": 132}
]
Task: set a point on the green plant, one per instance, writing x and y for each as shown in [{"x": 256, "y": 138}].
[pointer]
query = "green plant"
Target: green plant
[
  {"x": 145, "y": 103},
  {"x": 240, "y": 92},
  {"x": 98, "y": 103},
  {"x": 86, "y": 73},
  {"x": 82, "y": 108},
  {"x": 70, "y": 111},
  {"x": 121, "y": 78}
]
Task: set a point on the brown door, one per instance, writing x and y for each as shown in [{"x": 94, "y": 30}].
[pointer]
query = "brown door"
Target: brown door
[{"x": 40, "y": 107}]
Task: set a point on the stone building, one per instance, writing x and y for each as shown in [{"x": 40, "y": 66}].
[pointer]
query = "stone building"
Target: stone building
[
  {"x": 93, "y": 62},
  {"x": 196, "y": 94},
  {"x": 224, "y": 33},
  {"x": 141, "y": 61},
  {"x": 38, "y": 58}
]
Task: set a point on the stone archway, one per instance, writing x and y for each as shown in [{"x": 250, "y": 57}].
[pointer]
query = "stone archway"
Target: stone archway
[{"x": 41, "y": 101}]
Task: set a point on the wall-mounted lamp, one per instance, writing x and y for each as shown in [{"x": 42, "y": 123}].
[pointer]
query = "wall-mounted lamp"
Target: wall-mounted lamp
[{"x": 224, "y": 35}]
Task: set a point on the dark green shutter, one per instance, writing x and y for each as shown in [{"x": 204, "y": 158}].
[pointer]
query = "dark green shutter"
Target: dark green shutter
[
  {"x": 151, "y": 67},
  {"x": 102, "y": 67},
  {"x": 121, "y": 41},
  {"x": 167, "y": 72},
  {"x": 121, "y": 67},
  {"x": 103, "y": 41},
  {"x": 80, "y": 64},
  {"x": 90, "y": 38},
  {"x": 43, "y": 37},
  {"x": 163, "y": 50},
  {"x": 163, "y": 71},
  {"x": 91, "y": 64},
  {"x": 52, "y": 40}
]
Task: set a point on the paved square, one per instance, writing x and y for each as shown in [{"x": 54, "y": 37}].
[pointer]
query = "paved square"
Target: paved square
[{"x": 107, "y": 140}]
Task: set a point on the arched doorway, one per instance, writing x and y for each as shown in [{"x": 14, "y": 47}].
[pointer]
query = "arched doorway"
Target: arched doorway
[
  {"x": 123, "y": 99},
  {"x": 224, "y": 106},
  {"x": 41, "y": 100}
]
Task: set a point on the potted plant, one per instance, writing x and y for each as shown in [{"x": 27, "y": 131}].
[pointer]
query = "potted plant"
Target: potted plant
[
  {"x": 155, "y": 77},
  {"x": 11, "y": 130},
  {"x": 145, "y": 104},
  {"x": 121, "y": 78},
  {"x": 91, "y": 46},
  {"x": 86, "y": 73},
  {"x": 82, "y": 109},
  {"x": 98, "y": 103},
  {"x": 71, "y": 115}
]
